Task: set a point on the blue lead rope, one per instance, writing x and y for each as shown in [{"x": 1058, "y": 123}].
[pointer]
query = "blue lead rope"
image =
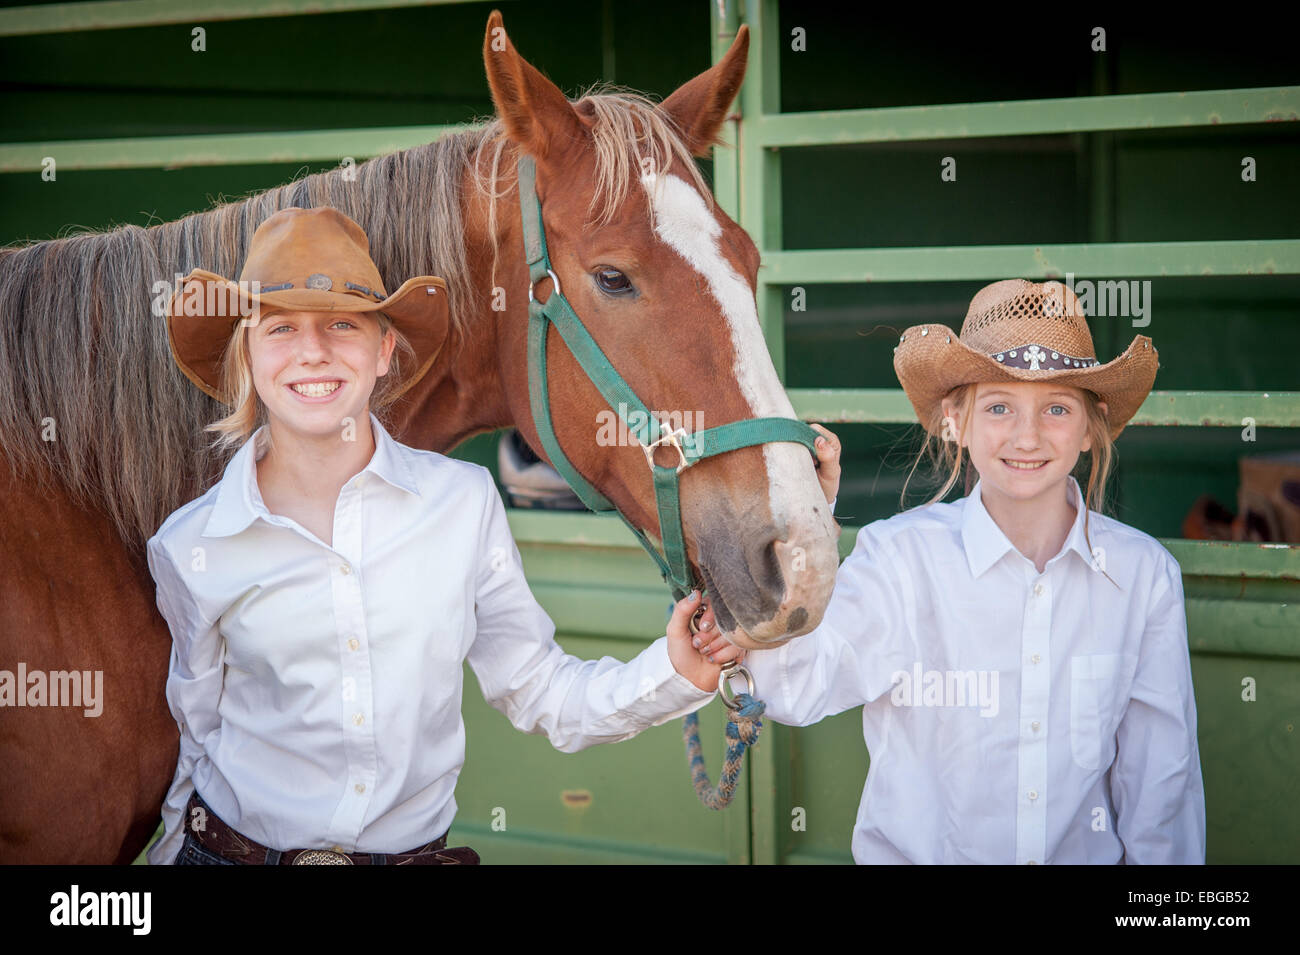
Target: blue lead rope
[{"x": 743, "y": 727}]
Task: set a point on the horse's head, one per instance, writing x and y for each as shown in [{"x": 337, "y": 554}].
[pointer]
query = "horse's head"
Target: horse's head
[{"x": 665, "y": 282}]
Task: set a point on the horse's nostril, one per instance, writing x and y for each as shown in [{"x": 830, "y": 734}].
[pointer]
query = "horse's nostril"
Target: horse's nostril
[
  {"x": 747, "y": 568},
  {"x": 768, "y": 575}
]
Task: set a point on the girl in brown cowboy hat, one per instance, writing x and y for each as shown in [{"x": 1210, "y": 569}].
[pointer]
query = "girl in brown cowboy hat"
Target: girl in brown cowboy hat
[
  {"x": 1021, "y": 658},
  {"x": 324, "y": 595}
]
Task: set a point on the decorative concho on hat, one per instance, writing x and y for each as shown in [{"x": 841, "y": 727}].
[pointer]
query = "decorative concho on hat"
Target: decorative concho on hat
[{"x": 1021, "y": 331}]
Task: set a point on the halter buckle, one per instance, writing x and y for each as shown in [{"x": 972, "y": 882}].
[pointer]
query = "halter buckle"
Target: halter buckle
[{"x": 674, "y": 439}]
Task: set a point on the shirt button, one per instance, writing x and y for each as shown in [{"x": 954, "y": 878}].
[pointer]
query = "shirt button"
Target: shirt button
[
  {"x": 1031, "y": 862},
  {"x": 1038, "y": 590},
  {"x": 1035, "y": 658},
  {"x": 361, "y": 787},
  {"x": 1034, "y": 724},
  {"x": 1033, "y": 794},
  {"x": 345, "y": 569},
  {"x": 353, "y": 643},
  {"x": 358, "y": 718}
]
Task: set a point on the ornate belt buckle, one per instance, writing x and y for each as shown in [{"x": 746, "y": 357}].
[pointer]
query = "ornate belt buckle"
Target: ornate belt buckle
[{"x": 321, "y": 857}]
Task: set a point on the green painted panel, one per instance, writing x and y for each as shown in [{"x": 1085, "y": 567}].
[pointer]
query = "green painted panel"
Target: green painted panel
[
  {"x": 1249, "y": 755},
  {"x": 641, "y": 806},
  {"x": 1252, "y": 628},
  {"x": 824, "y": 768}
]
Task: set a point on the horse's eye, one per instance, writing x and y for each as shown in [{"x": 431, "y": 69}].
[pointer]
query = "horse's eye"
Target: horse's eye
[{"x": 613, "y": 281}]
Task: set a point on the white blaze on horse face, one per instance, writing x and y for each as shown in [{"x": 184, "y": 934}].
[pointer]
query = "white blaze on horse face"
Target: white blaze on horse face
[{"x": 683, "y": 221}]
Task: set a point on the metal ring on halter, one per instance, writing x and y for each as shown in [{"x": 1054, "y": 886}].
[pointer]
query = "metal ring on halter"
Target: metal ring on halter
[
  {"x": 554, "y": 278},
  {"x": 729, "y": 670},
  {"x": 674, "y": 439}
]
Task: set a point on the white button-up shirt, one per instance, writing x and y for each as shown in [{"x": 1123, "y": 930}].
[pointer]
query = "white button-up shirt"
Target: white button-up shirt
[
  {"x": 318, "y": 687},
  {"x": 1010, "y": 716}
]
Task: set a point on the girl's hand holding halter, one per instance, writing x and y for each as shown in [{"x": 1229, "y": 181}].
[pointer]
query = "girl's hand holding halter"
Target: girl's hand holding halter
[
  {"x": 699, "y": 668},
  {"x": 828, "y": 463}
]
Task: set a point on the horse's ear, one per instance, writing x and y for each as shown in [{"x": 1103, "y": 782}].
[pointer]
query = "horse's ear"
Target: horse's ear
[
  {"x": 534, "y": 111},
  {"x": 699, "y": 107}
]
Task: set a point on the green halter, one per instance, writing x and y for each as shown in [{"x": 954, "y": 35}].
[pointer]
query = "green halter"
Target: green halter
[{"x": 690, "y": 448}]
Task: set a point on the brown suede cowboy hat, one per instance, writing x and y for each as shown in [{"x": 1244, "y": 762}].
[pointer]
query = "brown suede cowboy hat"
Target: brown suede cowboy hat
[
  {"x": 1021, "y": 331},
  {"x": 315, "y": 260}
]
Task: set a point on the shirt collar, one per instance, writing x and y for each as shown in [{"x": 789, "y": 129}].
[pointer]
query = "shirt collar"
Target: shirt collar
[
  {"x": 986, "y": 544},
  {"x": 239, "y": 500}
]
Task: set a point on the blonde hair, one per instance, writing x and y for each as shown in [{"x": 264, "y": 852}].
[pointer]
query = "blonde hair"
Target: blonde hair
[
  {"x": 249, "y": 413},
  {"x": 948, "y": 456}
]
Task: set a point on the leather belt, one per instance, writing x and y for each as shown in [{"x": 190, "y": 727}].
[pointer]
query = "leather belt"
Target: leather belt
[{"x": 229, "y": 843}]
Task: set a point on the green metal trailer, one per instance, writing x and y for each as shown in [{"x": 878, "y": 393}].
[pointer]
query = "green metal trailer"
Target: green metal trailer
[{"x": 1120, "y": 164}]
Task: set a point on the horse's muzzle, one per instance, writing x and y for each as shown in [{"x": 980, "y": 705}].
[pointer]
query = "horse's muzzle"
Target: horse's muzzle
[{"x": 766, "y": 589}]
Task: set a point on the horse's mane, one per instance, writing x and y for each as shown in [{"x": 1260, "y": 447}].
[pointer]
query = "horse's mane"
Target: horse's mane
[{"x": 90, "y": 397}]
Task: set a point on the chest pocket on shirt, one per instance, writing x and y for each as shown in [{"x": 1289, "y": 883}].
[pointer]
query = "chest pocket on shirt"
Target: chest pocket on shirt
[{"x": 1098, "y": 683}]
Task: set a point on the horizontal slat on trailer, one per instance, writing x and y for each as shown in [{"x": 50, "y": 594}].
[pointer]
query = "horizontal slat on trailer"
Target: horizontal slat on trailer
[
  {"x": 1279, "y": 409},
  {"x": 1040, "y": 262},
  {"x": 1026, "y": 117},
  {"x": 122, "y": 14},
  {"x": 230, "y": 149}
]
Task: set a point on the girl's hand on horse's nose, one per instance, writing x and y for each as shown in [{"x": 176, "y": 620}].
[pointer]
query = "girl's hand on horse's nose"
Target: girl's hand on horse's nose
[{"x": 828, "y": 462}]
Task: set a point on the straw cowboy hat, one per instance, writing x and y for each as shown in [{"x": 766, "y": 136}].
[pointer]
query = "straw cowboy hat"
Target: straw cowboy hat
[
  {"x": 314, "y": 260},
  {"x": 1021, "y": 331}
]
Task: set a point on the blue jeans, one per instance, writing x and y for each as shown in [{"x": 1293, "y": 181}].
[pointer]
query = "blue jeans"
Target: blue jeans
[{"x": 194, "y": 854}]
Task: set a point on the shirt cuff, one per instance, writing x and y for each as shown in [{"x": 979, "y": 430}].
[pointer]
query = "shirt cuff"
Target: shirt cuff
[{"x": 672, "y": 695}]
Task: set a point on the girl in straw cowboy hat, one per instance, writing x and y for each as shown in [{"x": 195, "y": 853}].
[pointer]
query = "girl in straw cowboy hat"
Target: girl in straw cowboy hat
[
  {"x": 323, "y": 596},
  {"x": 1021, "y": 659}
]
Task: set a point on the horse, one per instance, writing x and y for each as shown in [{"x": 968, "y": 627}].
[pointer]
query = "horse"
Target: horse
[{"x": 102, "y": 435}]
